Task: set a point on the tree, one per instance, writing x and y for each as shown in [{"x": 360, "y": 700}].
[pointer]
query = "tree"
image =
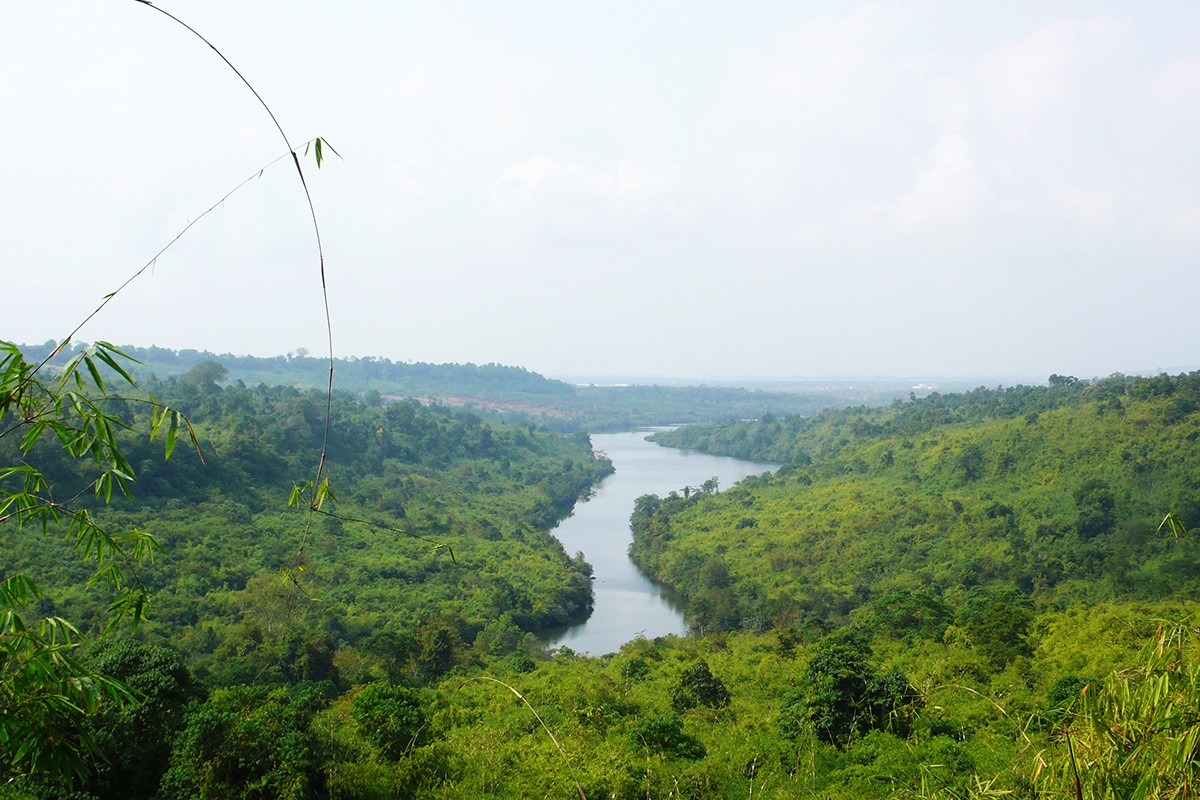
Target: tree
[
  {"x": 699, "y": 687},
  {"x": 971, "y": 462},
  {"x": 205, "y": 375},
  {"x": 248, "y": 743},
  {"x": 663, "y": 733},
  {"x": 45, "y": 693},
  {"x": 1097, "y": 509},
  {"x": 835, "y": 687},
  {"x": 842, "y": 697},
  {"x": 390, "y": 717},
  {"x": 134, "y": 740},
  {"x": 909, "y": 614}
]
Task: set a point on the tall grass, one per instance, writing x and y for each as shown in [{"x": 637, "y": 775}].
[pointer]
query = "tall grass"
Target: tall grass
[{"x": 1135, "y": 735}]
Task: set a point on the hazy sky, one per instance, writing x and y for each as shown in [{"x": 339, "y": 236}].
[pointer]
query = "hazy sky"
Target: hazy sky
[{"x": 681, "y": 189}]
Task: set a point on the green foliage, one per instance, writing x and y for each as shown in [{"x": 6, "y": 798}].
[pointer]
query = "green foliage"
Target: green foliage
[
  {"x": 205, "y": 375},
  {"x": 1135, "y": 735},
  {"x": 663, "y": 733},
  {"x": 493, "y": 390},
  {"x": 48, "y": 430},
  {"x": 1097, "y": 506},
  {"x": 898, "y": 514},
  {"x": 998, "y": 623},
  {"x": 1064, "y": 696},
  {"x": 634, "y": 668},
  {"x": 443, "y": 521},
  {"x": 134, "y": 740},
  {"x": 842, "y": 697},
  {"x": 45, "y": 693},
  {"x": 971, "y": 462},
  {"x": 699, "y": 687},
  {"x": 390, "y": 718},
  {"x": 981, "y": 580},
  {"x": 251, "y": 743},
  {"x": 443, "y": 528},
  {"x": 910, "y": 614},
  {"x": 45, "y": 427}
]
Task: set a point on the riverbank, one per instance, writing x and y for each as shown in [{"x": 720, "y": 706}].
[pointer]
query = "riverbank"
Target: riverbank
[{"x": 627, "y": 604}]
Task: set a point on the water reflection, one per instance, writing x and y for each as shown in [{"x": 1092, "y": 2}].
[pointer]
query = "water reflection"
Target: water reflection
[{"x": 628, "y": 604}]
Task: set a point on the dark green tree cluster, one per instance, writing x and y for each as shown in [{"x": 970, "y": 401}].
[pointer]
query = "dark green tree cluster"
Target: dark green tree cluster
[
  {"x": 699, "y": 687},
  {"x": 842, "y": 696}
]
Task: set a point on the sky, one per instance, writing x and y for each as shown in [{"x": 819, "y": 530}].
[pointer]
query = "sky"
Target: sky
[{"x": 682, "y": 190}]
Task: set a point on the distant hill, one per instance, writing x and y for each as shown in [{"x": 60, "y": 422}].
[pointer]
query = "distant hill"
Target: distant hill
[{"x": 496, "y": 390}]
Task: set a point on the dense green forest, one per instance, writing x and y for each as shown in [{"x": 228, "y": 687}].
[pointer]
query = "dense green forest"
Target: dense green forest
[
  {"x": 1054, "y": 492},
  {"x": 436, "y": 537},
  {"x": 448, "y": 502},
  {"x": 498, "y": 391},
  {"x": 957, "y": 596}
]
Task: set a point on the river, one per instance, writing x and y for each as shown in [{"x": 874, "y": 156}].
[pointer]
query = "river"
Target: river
[{"x": 628, "y": 604}]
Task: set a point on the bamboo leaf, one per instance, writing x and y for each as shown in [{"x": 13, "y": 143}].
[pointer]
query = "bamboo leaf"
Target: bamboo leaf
[
  {"x": 172, "y": 433},
  {"x": 325, "y": 143},
  {"x": 115, "y": 366},
  {"x": 297, "y": 495},
  {"x": 157, "y": 415},
  {"x": 91, "y": 366}
]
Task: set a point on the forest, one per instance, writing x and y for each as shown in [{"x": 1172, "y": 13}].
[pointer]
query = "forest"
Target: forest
[
  {"x": 496, "y": 391},
  {"x": 982, "y": 594}
]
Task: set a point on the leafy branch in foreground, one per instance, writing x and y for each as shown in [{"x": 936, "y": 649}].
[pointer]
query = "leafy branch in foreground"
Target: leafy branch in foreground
[
  {"x": 44, "y": 692},
  {"x": 45, "y": 695},
  {"x": 1138, "y": 733}
]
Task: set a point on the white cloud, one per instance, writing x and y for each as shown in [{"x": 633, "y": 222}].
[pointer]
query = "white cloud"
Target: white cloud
[
  {"x": 495, "y": 119},
  {"x": 948, "y": 191},
  {"x": 950, "y": 106},
  {"x": 576, "y": 199},
  {"x": 1176, "y": 87},
  {"x": 634, "y": 117},
  {"x": 1187, "y": 221},
  {"x": 1085, "y": 206},
  {"x": 828, "y": 76},
  {"x": 1022, "y": 80},
  {"x": 403, "y": 189},
  {"x": 1019, "y": 79}
]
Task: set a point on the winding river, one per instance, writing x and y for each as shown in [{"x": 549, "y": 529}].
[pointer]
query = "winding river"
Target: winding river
[{"x": 628, "y": 604}]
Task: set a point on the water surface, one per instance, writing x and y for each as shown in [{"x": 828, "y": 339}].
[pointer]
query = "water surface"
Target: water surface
[{"x": 628, "y": 604}]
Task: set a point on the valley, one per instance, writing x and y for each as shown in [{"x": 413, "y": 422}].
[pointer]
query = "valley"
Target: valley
[{"x": 935, "y": 597}]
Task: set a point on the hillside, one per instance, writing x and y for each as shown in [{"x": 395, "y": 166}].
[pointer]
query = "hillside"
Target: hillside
[
  {"x": 1055, "y": 493},
  {"x": 498, "y": 391},
  {"x": 943, "y": 598},
  {"x": 442, "y": 519}
]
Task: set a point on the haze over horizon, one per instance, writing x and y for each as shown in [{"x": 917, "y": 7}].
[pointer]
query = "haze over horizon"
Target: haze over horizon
[{"x": 701, "y": 190}]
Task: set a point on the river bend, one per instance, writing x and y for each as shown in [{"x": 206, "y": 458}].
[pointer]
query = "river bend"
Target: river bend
[{"x": 628, "y": 604}]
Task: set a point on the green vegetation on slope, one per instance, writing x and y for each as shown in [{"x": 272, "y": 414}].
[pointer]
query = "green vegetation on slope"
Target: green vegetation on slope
[
  {"x": 960, "y": 597},
  {"x": 442, "y": 526},
  {"x": 963, "y": 509},
  {"x": 950, "y": 724}
]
